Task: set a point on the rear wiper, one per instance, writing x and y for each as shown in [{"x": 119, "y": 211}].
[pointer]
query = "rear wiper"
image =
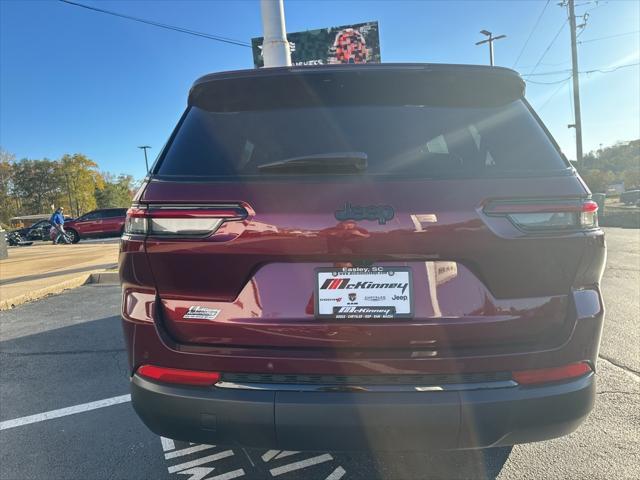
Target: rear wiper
[{"x": 334, "y": 162}]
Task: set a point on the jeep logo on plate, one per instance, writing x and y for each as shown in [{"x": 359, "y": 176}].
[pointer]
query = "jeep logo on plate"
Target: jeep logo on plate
[{"x": 381, "y": 213}]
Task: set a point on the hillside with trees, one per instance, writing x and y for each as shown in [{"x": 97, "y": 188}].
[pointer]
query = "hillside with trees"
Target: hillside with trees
[
  {"x": 619, "y": 163},
  {"x": 74, "y": 182}
]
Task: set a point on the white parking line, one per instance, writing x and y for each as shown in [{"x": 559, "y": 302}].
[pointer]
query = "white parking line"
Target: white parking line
[
  {"x": 63, "y": 412},
  {"x": 269, "y": 455},
  {"x": 229, "y": 475},
  {"x": 200, "y": 461},
  {"x": 187, "y": 451},
  {"x": 337, "y": 474},
  {"x": 167, "y": 444},
  {"x": 286, "y": 453},
  {"x": 197, "y": 473},
  {"x": 301, "y": 464}
]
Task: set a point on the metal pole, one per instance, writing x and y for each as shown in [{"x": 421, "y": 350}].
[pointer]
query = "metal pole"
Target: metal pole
[
  {"x": 490, "y": 41},
  {"x": 146, "y": 162},
  {"x": 576, "y": 82},
  {"x": 491, "y": 51},
  {"x": 275, "y": 47}
]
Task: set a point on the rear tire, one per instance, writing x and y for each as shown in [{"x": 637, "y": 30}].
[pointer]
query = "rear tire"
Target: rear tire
[{"x": 75, "y": 236}]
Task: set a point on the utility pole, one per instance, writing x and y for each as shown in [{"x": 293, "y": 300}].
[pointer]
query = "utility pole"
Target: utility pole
[
  {"x": 576, "y": 82},
  {"x": 490, "y": 41},
  {"x": 146, "y": 162},
  {"x": 275, "y": 47}
]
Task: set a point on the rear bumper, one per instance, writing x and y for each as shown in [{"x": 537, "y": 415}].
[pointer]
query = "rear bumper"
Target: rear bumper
[{"x": 296, "y": 420}]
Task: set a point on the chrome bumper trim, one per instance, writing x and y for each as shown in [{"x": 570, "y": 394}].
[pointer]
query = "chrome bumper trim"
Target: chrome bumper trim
[{"x": 287, "y": 387}]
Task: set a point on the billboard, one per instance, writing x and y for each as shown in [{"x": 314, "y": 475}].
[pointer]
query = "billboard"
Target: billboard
[{"x": 359, "y": 43}]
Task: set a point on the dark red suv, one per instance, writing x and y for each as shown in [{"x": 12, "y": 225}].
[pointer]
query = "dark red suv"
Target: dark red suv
[
  {"x": 363, "y": 256},
  {"x": 106, "y": 222}
]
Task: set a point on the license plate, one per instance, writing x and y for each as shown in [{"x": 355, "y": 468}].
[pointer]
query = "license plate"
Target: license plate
[{"x": 364, "y": 293}]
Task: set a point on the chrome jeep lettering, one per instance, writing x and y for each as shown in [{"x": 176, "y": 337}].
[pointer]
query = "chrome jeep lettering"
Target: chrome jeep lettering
[{"x": 381, "y": 213}]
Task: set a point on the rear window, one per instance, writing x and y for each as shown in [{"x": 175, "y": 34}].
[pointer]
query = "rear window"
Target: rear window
[{"x": 404, "y": 140}]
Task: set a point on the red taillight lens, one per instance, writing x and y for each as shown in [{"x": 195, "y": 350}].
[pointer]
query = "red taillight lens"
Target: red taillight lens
[
  {"x": 179, "y": 376},
  {"x": 554, "y": 374},
  {"x": 136, "y": 221},
  {"x": 547, "y": 215},
  {"x": 181, "y": 221}
]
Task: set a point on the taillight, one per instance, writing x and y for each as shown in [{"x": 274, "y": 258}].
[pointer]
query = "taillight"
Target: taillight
[
  {"x": 546, "y": 215},
  {"x": 554, "y": 374},
  {"x": 180, "y": 221},
  {"x": 178, "y": 376}
]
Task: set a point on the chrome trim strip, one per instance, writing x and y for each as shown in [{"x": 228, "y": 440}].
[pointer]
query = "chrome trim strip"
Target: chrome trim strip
[
  {"x": 453, "y": 387},
  {"x": 192, "y": 206}
]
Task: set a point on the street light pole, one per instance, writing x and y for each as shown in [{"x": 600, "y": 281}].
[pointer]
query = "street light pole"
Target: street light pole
[
  {"x": 146, "y": 162},
  {"x": 490, "y": 41},
  {"x": 275, "y": 46}
]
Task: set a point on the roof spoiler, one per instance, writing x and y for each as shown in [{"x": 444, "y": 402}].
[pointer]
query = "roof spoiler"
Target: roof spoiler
[{"x": 295, "y": 87}]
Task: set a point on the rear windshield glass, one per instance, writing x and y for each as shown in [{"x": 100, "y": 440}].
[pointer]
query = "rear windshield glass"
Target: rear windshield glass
[{"x": 411, "y": 140}]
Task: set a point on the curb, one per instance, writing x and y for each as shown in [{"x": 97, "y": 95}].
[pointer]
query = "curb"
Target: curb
[
  {"x": 104, "y": 278},
  {"x": 97, "y": 277}
]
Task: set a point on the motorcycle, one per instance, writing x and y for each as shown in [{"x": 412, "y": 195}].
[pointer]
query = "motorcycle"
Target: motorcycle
[{"x": 14, "y": 239}]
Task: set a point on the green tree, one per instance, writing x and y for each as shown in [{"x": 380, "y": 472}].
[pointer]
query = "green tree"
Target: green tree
[
  {"x": 618, "y": 158},
  {"x": 79, "y": 181},
  {"x": 36, "y": 184},
  {"x": 8, "y": 202},
  {"x": 631, "y": 179},
  {"x": 116, "y": 191},
  {"x": 597, "y": 180}
]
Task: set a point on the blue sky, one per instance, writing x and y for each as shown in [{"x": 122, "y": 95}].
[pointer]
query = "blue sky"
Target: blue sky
[{"x": 72, "y": 80}]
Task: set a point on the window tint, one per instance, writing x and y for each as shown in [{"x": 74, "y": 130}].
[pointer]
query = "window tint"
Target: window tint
[
  {"x": 90, "y": 216},
  {"x": 398, "y": 140},
  {"x": 114, "y": 213}
]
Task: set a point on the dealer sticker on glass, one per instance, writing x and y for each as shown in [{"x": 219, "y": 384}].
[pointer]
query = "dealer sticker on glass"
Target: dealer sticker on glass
[{"x": 364, "y": 293}]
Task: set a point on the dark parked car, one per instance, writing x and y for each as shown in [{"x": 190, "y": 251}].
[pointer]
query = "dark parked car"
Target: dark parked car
[
  {"x": 37, "y": 231},
  {"x": 108, "y": 222},
  {"x": 630, "y": 197},
  {"x": 364, "y": 256}
]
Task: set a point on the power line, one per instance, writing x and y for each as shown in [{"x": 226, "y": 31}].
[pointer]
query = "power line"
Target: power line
[
  {"x": 549, "y": 46},
  {"x": 548, "y": 83},
  {"x": 208, "y": 36},
  {"x": 564, "y": 82},
  {"x": 585, "y": 72},
  {"x": 610, "y": 36},
  {"x": 555, "y": 72},
  {"x": 612, "y": 69},
  {"x": 548, "y": 64},
  {"x": 531, "y": 33}
]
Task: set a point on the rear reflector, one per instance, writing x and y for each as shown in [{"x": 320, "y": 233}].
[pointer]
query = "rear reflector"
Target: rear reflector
[
  {"x": 181, "y": 221},
  {"x": 554, "y": 374},
  {"x": 178, "y": 376},
  {"x": 546, "y": 215}
]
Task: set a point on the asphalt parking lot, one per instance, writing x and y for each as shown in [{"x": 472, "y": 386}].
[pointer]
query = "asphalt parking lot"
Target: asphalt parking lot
[{"x": 65, "y": 411}]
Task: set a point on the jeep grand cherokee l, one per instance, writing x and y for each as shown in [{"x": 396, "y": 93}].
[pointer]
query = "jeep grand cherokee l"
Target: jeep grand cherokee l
[
  {"x": 106, "y": 222},
  {"x": 362, "y": 257}
]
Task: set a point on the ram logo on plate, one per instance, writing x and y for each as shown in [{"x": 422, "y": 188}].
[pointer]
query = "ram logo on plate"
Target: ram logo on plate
[{"x": 201, "y": 313}]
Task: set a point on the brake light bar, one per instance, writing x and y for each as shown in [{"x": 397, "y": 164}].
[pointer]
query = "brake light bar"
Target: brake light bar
[
  {"x": 179, "y": 376},
  {"x": 553, "y": 374},
  {"x": 181, "y": 220},
  {"x": 546, "y": 214}
]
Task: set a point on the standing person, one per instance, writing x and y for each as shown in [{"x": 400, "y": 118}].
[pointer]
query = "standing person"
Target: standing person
[{"x": 57, "y": 220}]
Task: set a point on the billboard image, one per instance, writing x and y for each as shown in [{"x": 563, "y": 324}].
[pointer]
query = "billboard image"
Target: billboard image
[{"x": 359, "y": 43}]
